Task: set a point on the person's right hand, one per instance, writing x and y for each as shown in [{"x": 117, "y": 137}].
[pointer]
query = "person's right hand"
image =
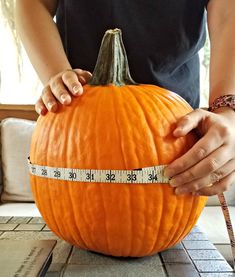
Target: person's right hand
[{"x": 62, "y": 87}]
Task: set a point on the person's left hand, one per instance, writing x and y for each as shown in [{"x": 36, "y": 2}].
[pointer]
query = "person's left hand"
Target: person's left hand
[{"x": 208, "y": 168}]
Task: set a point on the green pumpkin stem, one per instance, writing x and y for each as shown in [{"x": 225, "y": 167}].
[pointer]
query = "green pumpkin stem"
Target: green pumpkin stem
[{"x": 112, "y": 64}]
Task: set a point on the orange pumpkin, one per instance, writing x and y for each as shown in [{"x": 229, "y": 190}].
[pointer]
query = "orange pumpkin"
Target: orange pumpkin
[{"x": 115, "y": 124}]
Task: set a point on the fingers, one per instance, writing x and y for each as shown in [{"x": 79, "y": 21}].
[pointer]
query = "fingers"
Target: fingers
[
  {"x": 40, "y": 107},
  {"x": 203, "y": 168},
  {"x": 61, "y": 88},
  {"x": 205, "y": 182},
  {"x": 218, "y": 187},
  {"x": 210, "y": 160},
  {"x": 189, "y": 122},
  {"x": 72, "y": 82},
  {"x": 49, "y": 100},
  {"x": 211, "y": 152},
  {"x": 84, "y": 76},
  {"x": 197, "y": 153},
  {"x": 59, "y": 91},
  {"x": 222, "y": 172}
]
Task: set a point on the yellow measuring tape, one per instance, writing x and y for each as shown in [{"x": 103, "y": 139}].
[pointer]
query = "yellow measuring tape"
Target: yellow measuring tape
[{"x": 143, "y": 175}]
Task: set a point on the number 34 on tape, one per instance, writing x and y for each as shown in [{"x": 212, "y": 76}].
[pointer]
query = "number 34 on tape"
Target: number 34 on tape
[{"x": 143, "y": 175}]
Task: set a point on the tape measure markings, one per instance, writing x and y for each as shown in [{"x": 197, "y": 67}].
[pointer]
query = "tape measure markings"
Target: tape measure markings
[
  {"x": 229, "y": 226},
  {"x": 145, "y": 175}
]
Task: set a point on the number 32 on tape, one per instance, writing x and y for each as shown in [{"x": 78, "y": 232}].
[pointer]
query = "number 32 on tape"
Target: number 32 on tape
[{"x": 144, "y": 175}]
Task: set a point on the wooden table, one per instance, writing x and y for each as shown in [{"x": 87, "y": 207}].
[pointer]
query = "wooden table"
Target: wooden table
[{"x": 194, "y": 256}]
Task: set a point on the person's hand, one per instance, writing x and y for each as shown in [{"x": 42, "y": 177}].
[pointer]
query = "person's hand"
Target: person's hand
[
  {"x": 62, "y": 87},
  {"x": 208, "y": 168}
]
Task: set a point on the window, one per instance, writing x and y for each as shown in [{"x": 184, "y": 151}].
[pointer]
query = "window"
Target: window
[
  {"x": 204, "y": 55},
  {"x": 18, "y": 81}
]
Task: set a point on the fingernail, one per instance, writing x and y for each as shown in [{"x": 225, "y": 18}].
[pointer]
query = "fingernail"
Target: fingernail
[
  {"x": 168, "y": 173},
  {"x": 178, "y": 130},
  {"x": 77, "y": 90},
  {"x": 50, "y": 105},
  {"x": 179, "y": 191},
  {"x": 173, "y": 183},
  {"x": 38, "y": 110},
  {"x": 165, "y": 173},
  {"x": 43, "y": 111},
  {"x": 82, "y": 80},
  {"x": 65, "y": 98}
]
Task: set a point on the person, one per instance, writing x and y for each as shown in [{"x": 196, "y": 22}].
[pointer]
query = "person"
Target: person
[{"x": 162, "y": 39}]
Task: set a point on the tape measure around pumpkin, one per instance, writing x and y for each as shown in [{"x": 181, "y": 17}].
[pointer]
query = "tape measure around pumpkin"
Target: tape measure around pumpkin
[{"x": 145, "y": 175}]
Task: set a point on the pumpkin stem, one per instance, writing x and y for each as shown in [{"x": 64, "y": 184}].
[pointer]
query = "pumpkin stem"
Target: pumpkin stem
[{"x": 112, "y": 64}]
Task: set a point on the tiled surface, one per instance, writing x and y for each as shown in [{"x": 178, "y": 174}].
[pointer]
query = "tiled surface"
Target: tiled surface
[
  {"x": 203, "y": 254},
  {"x": 225, "y": 250},
  {"x": 52, "y": 274},
  {"x": 217, "y": 274},
  {"x": 46, "y": 228},
  {"x": 7, "y": 226},
  {"x": 196, "y": 229},
  {"x": 178, "y": 246},
  {"x": 195, "y": 256},
  {"x": 195, "y": 236},
  {"x": 30, "y": 227},
  {"x": 181, "y": 270},
  {"x": 124, "y": 270},
  {"x": 213, "y": 266},
  {"x": 36, "y": 220},
  {"x": 193, "y": 244},
  {"x": 83, "y": 257},
  {"x": 19, "y": 220},
  {"x": 4, "y": 219},
  {"x": 175, "y": 256}
]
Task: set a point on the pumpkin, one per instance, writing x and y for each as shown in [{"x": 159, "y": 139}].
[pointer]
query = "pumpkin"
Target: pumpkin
[{"x": 115, "y": 124}]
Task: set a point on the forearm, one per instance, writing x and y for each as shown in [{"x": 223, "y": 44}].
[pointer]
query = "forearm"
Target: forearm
[
  {"x": 222, "y": 64},
  {"x": 41, "y": 38}
]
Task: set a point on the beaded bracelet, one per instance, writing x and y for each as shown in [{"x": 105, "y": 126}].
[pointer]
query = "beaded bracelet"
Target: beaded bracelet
[{"x": 223, "y": 101}]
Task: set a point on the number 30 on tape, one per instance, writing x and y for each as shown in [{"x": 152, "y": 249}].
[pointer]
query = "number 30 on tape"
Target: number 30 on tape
[{"x": 144, "y": 175}]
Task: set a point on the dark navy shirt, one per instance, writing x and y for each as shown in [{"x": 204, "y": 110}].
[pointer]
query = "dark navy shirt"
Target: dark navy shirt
[{"x": 162, "y": 38}]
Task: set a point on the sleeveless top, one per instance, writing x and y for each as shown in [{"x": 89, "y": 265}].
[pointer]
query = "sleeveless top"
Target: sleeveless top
[{"x": 162, "y": 38}]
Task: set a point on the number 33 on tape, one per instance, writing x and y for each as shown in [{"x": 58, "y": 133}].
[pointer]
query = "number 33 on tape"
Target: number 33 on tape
[{"x": 146, "y": 175}]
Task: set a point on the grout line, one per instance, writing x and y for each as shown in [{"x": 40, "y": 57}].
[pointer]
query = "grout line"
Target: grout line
[{"x": 66, "y": 262}]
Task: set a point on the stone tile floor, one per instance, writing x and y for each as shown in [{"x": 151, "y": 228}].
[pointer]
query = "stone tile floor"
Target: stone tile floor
[{"x": 195, "y": 256}]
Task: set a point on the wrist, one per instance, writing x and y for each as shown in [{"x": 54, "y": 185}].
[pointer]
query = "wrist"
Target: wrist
[
  {"x": 224, "y": 110},
  {"x": 223, "y": 102}
]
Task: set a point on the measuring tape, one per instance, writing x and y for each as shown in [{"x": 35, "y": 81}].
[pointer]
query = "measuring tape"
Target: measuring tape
[
  {"x": 228, "y": 222},
  {"x": 145, "y": 175}
]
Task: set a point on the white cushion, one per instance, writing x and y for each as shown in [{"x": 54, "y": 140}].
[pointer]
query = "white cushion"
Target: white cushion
[
  {"x": 1, "y": 184},
  {"x": 15, "y": 140},
  {"x": 19, "y": 209}
]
